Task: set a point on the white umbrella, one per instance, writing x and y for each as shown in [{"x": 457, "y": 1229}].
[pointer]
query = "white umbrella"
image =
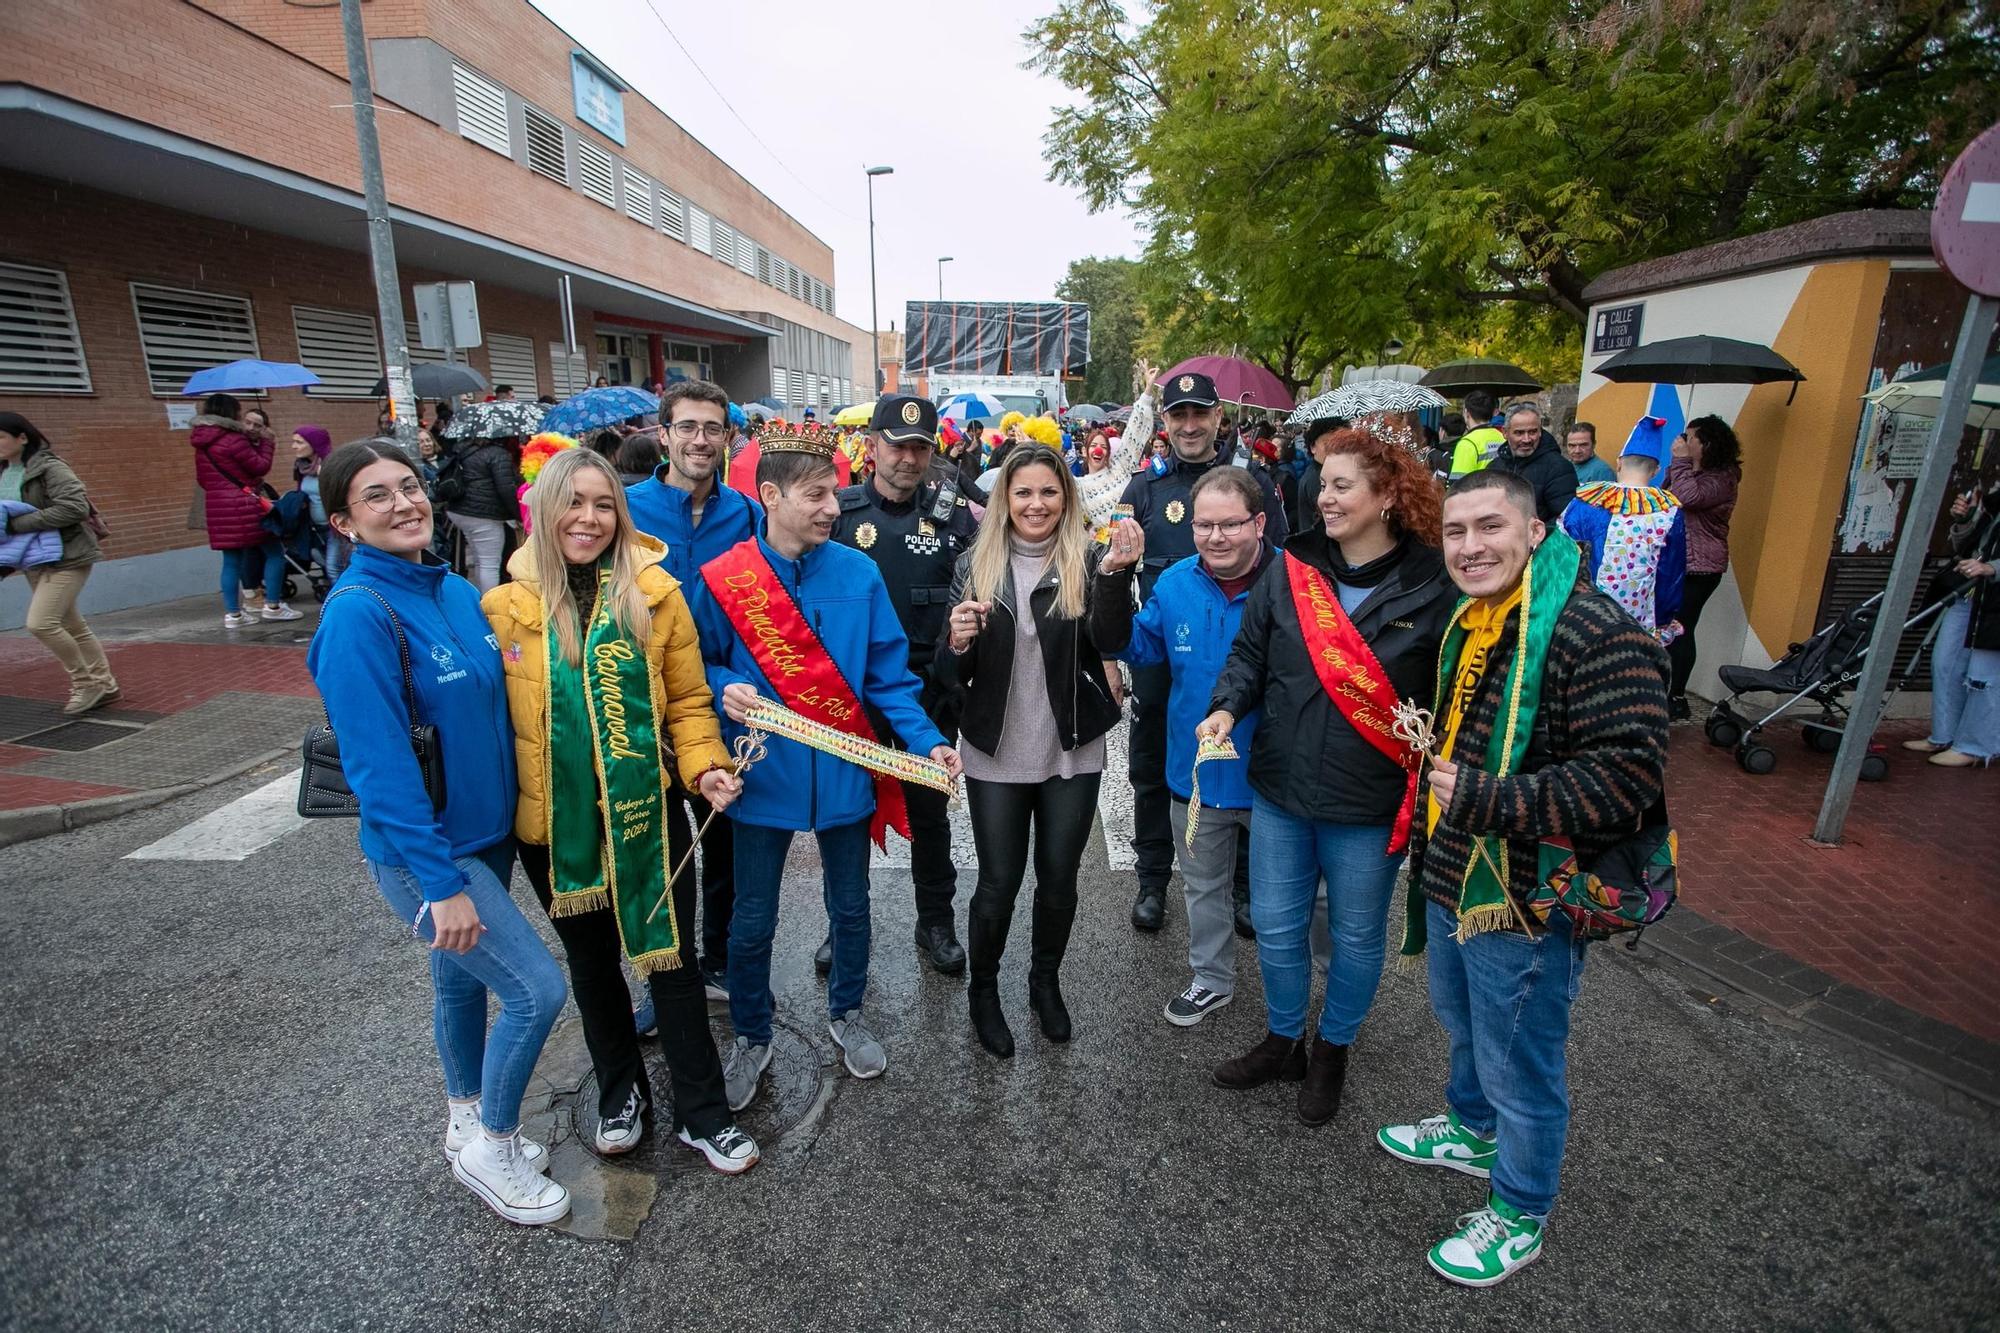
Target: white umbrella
[
  {"x": 1366, "y": 398},
  {"x": 1919, "y": 395}
]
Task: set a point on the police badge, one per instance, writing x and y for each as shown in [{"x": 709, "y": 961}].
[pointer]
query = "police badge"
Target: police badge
[
  {"x": 1176, "y": 511},
  {"x": 864, "y": 536},
  {"x": 912, "y": 414},
  {"x": 1187, "y": 383}
]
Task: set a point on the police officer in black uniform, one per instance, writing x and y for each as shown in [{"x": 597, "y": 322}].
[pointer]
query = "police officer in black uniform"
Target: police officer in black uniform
[
  {"x": 1160, "y": 505},
  {"x": 911, "y": 520}
]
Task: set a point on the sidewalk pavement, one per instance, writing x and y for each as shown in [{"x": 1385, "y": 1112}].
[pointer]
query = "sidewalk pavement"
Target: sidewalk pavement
[
  {"x": 199, "y": 702},
  {"x": 1888, "y": 939}
]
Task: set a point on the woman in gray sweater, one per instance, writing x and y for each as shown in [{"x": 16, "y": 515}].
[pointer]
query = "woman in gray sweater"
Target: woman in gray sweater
[{"x": 1029, "y": 625}]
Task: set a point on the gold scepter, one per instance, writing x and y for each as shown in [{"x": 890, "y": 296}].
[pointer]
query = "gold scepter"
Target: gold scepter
[
  {"x": 1417, "y": 728},
  {"x": 749, "y": 749}
]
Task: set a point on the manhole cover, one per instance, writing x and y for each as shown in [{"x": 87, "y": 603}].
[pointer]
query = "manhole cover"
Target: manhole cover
[{"x": 79, "y": 736}]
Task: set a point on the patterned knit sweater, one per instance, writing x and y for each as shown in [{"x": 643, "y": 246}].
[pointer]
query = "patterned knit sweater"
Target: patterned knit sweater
[{"x": 1596, "y": 763}]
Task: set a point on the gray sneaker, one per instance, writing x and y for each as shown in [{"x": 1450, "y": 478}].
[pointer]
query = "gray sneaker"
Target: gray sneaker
[
  {"x": 741, "y": 1069},
  {"x": 865, "y": 1057}
]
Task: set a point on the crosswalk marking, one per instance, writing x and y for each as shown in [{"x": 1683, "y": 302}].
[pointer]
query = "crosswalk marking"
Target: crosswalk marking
[{"x": 235, "y": 832}]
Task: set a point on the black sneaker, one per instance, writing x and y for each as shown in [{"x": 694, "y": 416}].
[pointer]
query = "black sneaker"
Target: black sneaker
[
  {"x": 621, "y": 1131},
  {"x": 823, "y": 957},
  {"x": 1194, "y": 1004},
  {"x": 1678, "y": 710}
]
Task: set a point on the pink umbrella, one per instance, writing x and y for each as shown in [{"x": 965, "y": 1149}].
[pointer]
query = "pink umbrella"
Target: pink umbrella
[{"x": 1237, "y": 381}]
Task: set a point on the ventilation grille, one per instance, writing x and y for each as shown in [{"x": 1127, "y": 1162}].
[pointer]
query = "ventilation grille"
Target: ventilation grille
[
  {"x": 510, "y": 359},
  {"x": 482, "y": 110},
  {"x": 638, "y": 198},
  {"x": 181, "y": 332},
  {"x": 41, "y": 350},
  {"x": 545, "y": 146},
  {"x": 593, "y": 173},
  {"x": 338, "y": 346}
]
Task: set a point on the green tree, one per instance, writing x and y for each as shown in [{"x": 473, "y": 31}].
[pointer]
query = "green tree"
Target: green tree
[
  {"x": 1319, "y": 177},
  {"x": 1110, "y": 288}
]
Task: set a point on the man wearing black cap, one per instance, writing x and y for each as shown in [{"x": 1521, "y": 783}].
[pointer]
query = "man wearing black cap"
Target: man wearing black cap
[
  {"x": 1161, "y": 505},
  {"x": 909, "y": 518}
]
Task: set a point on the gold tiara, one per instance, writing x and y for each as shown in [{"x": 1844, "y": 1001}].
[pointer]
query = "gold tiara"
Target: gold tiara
[{"x": 808, "y": 437}]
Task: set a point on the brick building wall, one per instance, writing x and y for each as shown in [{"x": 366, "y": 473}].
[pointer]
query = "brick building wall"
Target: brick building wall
[{"x": 139, "y": 471}]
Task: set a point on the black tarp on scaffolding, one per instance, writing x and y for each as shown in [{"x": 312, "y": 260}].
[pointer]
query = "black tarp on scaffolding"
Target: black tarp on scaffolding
[{"x": 997, "y": 337}]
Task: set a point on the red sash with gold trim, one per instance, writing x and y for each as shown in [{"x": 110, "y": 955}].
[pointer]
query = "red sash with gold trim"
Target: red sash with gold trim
[
  {"x": 792, "y": 658},
  {"x": 1351, "y": 676}
]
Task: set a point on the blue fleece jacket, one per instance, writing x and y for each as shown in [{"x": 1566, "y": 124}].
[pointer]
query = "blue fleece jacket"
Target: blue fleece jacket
[
  {"x": 1189, "y": 625},
  {"x": 666, "y": 512},
  {"x": 841, "y": 593},
  {"x": 455, "y": 662}
]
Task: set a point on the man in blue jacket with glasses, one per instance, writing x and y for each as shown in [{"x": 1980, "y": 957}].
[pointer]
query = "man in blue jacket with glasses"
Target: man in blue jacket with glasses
[{"x": 1187, "y": 626}]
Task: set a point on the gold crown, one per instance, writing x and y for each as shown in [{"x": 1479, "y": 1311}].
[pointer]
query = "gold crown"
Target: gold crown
[{"x": 807, "y": 437}]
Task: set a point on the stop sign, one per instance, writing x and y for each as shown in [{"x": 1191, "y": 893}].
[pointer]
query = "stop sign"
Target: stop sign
[{"x": 1965, "y": 225}]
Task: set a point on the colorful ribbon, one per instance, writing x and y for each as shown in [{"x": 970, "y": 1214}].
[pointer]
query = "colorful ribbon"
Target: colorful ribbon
[{"x": 1209, "y": 748}]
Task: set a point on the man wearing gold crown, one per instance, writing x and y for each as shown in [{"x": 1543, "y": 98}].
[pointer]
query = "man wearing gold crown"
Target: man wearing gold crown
[{"x": 792, "y": 617}]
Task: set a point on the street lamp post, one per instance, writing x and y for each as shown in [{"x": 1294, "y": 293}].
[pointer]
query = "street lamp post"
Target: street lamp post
[
  {"x": 874, "y": 315},
  {"x": 1394, "y": 347},
  {"x": 942, "y": 261}
]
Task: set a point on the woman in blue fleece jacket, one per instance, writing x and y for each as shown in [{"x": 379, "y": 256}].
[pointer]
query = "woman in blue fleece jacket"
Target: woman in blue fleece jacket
[{"x": 443, "y": 871}]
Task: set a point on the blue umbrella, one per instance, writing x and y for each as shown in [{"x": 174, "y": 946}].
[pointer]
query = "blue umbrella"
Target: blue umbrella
[
  {"x": 248, "y": 376},
  {"x": 595, "y": 408},
  {"x": 966, "y": 406},
  {"x": 771, "y": 403}
]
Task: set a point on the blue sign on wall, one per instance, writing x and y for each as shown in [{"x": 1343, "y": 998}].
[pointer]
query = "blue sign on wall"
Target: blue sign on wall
[{"x": 600, "y": 99}]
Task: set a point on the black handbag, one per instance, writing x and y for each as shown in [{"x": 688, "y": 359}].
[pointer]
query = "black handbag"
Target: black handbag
[{"x": 323, "y": 789}]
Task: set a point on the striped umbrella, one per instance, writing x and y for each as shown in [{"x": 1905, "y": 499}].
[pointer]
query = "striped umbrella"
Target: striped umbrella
[
  {"x": 963, "y": 407},
  {"x": 1366, "y": 399}
]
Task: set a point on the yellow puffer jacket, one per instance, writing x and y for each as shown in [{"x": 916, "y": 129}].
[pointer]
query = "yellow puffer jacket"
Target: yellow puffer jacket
[{"x": 680, "y": 685}]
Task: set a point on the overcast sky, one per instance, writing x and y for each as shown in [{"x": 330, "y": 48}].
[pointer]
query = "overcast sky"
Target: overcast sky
[{"x": 935, "y": 91}]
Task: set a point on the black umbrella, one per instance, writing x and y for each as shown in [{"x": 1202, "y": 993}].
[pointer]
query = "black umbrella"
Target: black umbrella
[
  {"x": 1459, "y": 378},
  {"x": 1701, "y": 359},
  {"x": 431, "y": 379}
]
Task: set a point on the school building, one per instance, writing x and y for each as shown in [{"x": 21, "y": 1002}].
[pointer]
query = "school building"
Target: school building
[{"x": 182, "y": 188}]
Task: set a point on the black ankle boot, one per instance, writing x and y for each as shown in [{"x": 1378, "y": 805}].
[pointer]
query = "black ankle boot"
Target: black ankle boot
[
  {"x": 1326, "y": 1071},
  {"x": 1052, "y": 924},
  {"x": 987, "y": 940},
  {"x": 1275, "y": 1057}
]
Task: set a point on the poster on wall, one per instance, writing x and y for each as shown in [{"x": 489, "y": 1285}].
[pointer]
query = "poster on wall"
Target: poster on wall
[{"x": 600, "y": 99}]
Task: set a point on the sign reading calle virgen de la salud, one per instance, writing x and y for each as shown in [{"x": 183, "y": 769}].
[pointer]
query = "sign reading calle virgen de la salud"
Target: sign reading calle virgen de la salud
[{"x": 1616, "y": 328}]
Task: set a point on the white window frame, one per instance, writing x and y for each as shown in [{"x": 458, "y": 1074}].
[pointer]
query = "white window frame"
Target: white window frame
[
  {"x": 535, "y": 119},
  {"x": 174, "y": 353},
  {"x": 39, "y": 333},
  {"x": 596, "y": 176},
  {"x": 486, "y": 99},
  {"x": 638, "y": 198},
  {"x": 342, "y": 347}
]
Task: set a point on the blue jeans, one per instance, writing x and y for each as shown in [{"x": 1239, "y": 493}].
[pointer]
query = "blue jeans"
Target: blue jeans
[
  {"x": 760, "y": 869},
  {"x": 339, "y": 551},
  {"x": 1287, "y": 857},
  {"x": 511, "y": 961},
  {"x": 1965, "y": 689},
  {"x": 234, "y": 564},
  {"x": 1504, "y": 1000}
]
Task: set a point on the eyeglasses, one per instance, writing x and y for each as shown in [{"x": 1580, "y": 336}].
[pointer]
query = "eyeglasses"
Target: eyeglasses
[
  {"x": 714, "y": 431},
  {"x": 1226, "y": 529},
  {"x": 381, "y": 500}
]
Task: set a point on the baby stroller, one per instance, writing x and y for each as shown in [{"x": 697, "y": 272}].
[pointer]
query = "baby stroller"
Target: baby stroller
[
  {"x": 1822, "y": 669},
  {"x": 290, "y": 521}
]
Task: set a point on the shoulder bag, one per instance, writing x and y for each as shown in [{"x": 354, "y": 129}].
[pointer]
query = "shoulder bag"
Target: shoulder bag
[{"x": 323, "y": 789}]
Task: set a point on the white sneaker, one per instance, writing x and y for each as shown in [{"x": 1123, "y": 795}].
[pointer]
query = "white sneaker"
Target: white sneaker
[
  {"x": 282, "y": 611},
  {"x": 237, "y": 619},
  {"x": 730, "y": 1151},
  {"x": 498, "y": 1173},
  {"x": 463, "y": 1127}
]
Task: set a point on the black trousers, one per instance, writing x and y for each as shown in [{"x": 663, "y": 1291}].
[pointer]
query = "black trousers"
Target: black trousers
[
  {"x": 717, "y": 866},
  {"x": 931, "y": 869},
  {"x": 597, "y": 979},
  {"x": 1696, "y": 589},
  {"x": 1058, "y": 812},
  {"x": 1152, "y": 838}
]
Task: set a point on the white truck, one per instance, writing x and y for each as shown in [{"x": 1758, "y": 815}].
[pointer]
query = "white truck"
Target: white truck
[{"x": 1028, "y": 394}]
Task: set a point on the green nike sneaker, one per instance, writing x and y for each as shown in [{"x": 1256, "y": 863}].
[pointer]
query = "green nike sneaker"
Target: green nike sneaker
[
  {"x": 1439, "y": 1141},
  {"x": 1489, "y": 1245}
]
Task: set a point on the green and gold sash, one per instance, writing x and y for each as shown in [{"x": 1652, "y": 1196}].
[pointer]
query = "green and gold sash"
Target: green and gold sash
[{"x": 606, "y": 709}]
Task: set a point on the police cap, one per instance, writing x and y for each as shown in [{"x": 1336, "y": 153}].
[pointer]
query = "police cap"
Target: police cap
[{"x": 905, "y": 418}]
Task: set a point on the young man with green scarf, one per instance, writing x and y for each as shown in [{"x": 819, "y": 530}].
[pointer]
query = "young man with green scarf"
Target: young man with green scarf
[{"x": 1551, "y": 718}]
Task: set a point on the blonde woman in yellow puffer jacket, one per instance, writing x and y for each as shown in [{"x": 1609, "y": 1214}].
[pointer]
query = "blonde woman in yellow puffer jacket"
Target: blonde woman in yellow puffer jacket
[{"x": 606, "y": 687}]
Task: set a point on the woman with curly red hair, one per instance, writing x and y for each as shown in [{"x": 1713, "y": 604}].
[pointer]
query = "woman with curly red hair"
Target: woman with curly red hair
[{"x": 1339, "y": 631}]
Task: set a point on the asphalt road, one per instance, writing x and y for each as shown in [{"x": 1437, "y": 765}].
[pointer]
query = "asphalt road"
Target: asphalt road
[{"x": 222, "y": 1110}]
